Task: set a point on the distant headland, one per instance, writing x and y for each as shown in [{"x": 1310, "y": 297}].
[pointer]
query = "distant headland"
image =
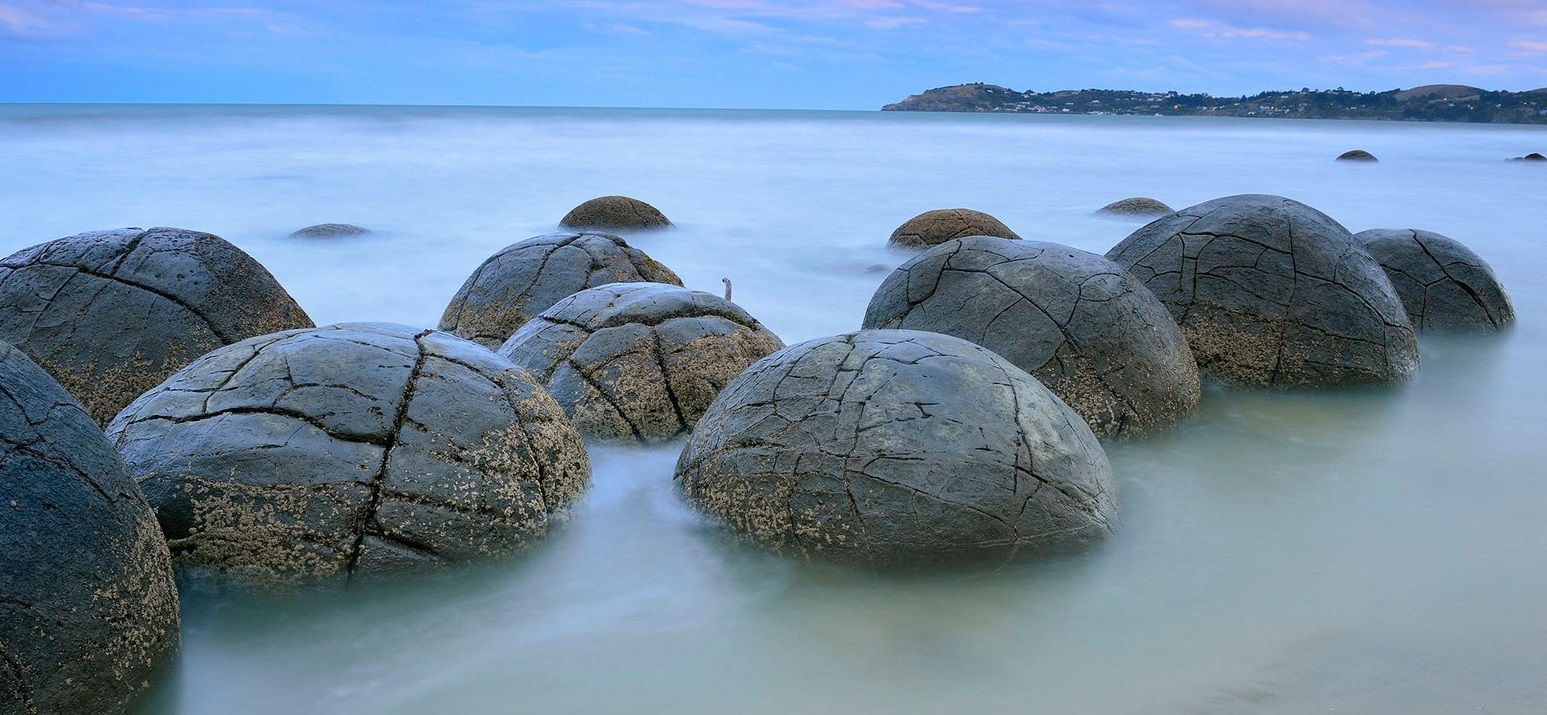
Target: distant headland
[{"x": 1429, "y": 103}]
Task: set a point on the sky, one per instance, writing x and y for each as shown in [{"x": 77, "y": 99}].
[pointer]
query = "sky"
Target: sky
[{"x": 768, "y": 54}]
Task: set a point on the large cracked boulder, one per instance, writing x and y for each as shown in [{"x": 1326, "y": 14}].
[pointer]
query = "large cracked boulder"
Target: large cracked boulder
[
  {"x": 1076, "y": 321},
  {"x": 112, "y": 313},
  {"x": 937, "y": 226},
  {"x": 1442, "y": 283},
  {"x": 1270, "y": 291},
  {"x": 898, "y": 449},
  {"x": 528, "y": 277},
  {"x": 88, "y": 609},
  {"x": 614, "y": 213},
  {"x": 351, "y": 449},
  {"x": 638, "y": 361}
]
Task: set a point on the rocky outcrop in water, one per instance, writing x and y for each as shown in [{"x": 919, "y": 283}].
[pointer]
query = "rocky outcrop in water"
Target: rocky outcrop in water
[
  {"x": 330, "y": 230},
  {"x": 526, "y": 278},
  {"x": 614, "y": 213},
  {"x": 1134, "y": 207},
  {"x": 937, "y": 226},
  {"x": 112, "y": 313},
  {"x": 352, "y": 449},
  {"x": 88, "y": 610},
  {"x": 1076, "y": 321},
  {"x": 1357, "y": 155},
  {"x": 1442, "y": 283},
  {"x": 1270, "y": 291},
  {"x": 638, "y": 361},
  {"x": 898, "y": 449}
]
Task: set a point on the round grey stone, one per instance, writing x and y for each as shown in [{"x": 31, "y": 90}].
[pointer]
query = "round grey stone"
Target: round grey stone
[
  {"x": 612, "y": 213},
  {"x": 528, "y": 277},
  {"x": 1135, "y": 206},
  {"x": 1357, "y": 155},
  {"x": 1442, "y": 283},
  {"x": 898, "y": 448},
  {"x": 1079, "y": 323},
  {"x": 937, "y": 226},
  {"x": 88, "y": 608},
  {"x": 1270, "y": 291},
  {"x": 638, "y": 361},
  {"x": 351, "y": 449},
  {"x": 330, "y": 230},
  {"x": 112, "y": 313}
]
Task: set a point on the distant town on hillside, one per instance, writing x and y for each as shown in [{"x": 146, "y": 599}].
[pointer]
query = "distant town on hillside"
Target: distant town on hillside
[{"x": 1429, "y": 103}]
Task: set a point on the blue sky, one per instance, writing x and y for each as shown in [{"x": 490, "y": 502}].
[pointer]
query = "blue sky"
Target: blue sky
[{"x": 837, "y": 54}]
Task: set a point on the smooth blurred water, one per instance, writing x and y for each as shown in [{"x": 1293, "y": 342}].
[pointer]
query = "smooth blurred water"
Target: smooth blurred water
[{"x": 1374, "y": 551}]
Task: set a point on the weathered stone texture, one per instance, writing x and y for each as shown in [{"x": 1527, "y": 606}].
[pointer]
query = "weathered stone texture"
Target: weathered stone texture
[
  {"x": 330, "y": 230},
  {"x": 638, "y": 361},
  {"x": 1269, "y": 291},
  {"x": 88, "y": 609},
  {"x": 898, "y": 448},
  {"x": 1357, "y": 155},
  {"x": 112, "y": 313},
  {"x": 1442, "y": 283},
  {"x": 614, "y": 213},
  {"x": 1076, "y": 321},
  {"x": 1136, "y": 206},
  {"x": 526, "y": 278},
  {"x": 350, "y": 449},
  {"x": 937, "y": 226}
]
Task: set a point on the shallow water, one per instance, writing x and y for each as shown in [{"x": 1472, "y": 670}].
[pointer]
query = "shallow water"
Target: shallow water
[{"x": 1375, "y": 551}]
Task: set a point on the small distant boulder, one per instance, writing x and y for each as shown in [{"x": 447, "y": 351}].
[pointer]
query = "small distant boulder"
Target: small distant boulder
[
  {"x": 937, "y": 226},
  {"x": 612, "y": 213},
  {"x": 330, "y": 230},
  {"x": 1533, "y": 156},
  {"x": 526, "y": 278},
  {"x": 1134, "y": 207},
  {"x": 112, "y": 313},
  {"x": 638, "y": 361},
  {"x": 1442, "y": 283},
  {"x": 1356, "y": 155}
]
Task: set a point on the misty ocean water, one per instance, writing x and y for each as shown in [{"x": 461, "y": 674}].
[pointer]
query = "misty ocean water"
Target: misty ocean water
[{"x": 1365, "y": 550}]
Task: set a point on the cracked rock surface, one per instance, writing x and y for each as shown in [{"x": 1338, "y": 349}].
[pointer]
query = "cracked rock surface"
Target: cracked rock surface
[
  {"x": 528, "y": 277},
  {"x": 112, "y": 313},
  {"x": 1270, "y": 291},
  {"x": 350, "y": 449},
  {"x": 1134, "y": 207},
  {"x": 937, "y": 226},
  {"x": 898, "y": 449},
  {"x": 614, "y": 213},
  {"x": 88, "y": 609},
  {"x": 1442, "y": 283},
  {"x": 638, "y": 361},
  {"x": 1076, "y": 321}
]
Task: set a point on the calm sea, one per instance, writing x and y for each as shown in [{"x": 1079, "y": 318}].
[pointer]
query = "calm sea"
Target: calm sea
[{"x": 1372, "y": 551}]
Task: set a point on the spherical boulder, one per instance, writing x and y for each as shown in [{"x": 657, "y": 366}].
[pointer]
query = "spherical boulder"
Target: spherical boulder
[
  {"x": 935, "y": 227},
  {"x": 1357, "y": 155},
  {"x": 638, "y": 361},
  {"x": 613, "y": 213},
  {"x": 352, "y": 449},
  {"x": 88, "y": 608},
  {"x": 112, "y": 313},
  {"x": 1270, "y": 291},
  {"x": 1076, "y": 321},
  {"x": 330, "y": 230},
  {"x": 1533, "y": 156},
  {"x": 898, "y": 449},
  {"x": 1134, "y": 207},
  {"x": 1443, "y": 284},
  {"x": 528, "y": 277}
]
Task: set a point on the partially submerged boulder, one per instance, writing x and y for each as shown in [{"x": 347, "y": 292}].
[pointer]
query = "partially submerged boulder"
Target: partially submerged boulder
[
  {"x": 1357, "y": 155},
  {"x": 937, "y": 226},
  {"x": 898, "y": 449},
  {"x": 526, "y": 278},
  {"x": 1442, "y": 283},
  {"x": 1533, "y": 156},
  {"x": 330, "y": 230},
  {"x": 351, "y": 449},
  {"x": 1134, "y": 207},
  {"x": 112, "y": 313},
  {"x": 1270, "y": 291},
  {"x": 88, "y": 609},
  {"x": 614, "y": 213},
  {"x": 1076, "y": 321},
  {"x": 638, "y": 361}
]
